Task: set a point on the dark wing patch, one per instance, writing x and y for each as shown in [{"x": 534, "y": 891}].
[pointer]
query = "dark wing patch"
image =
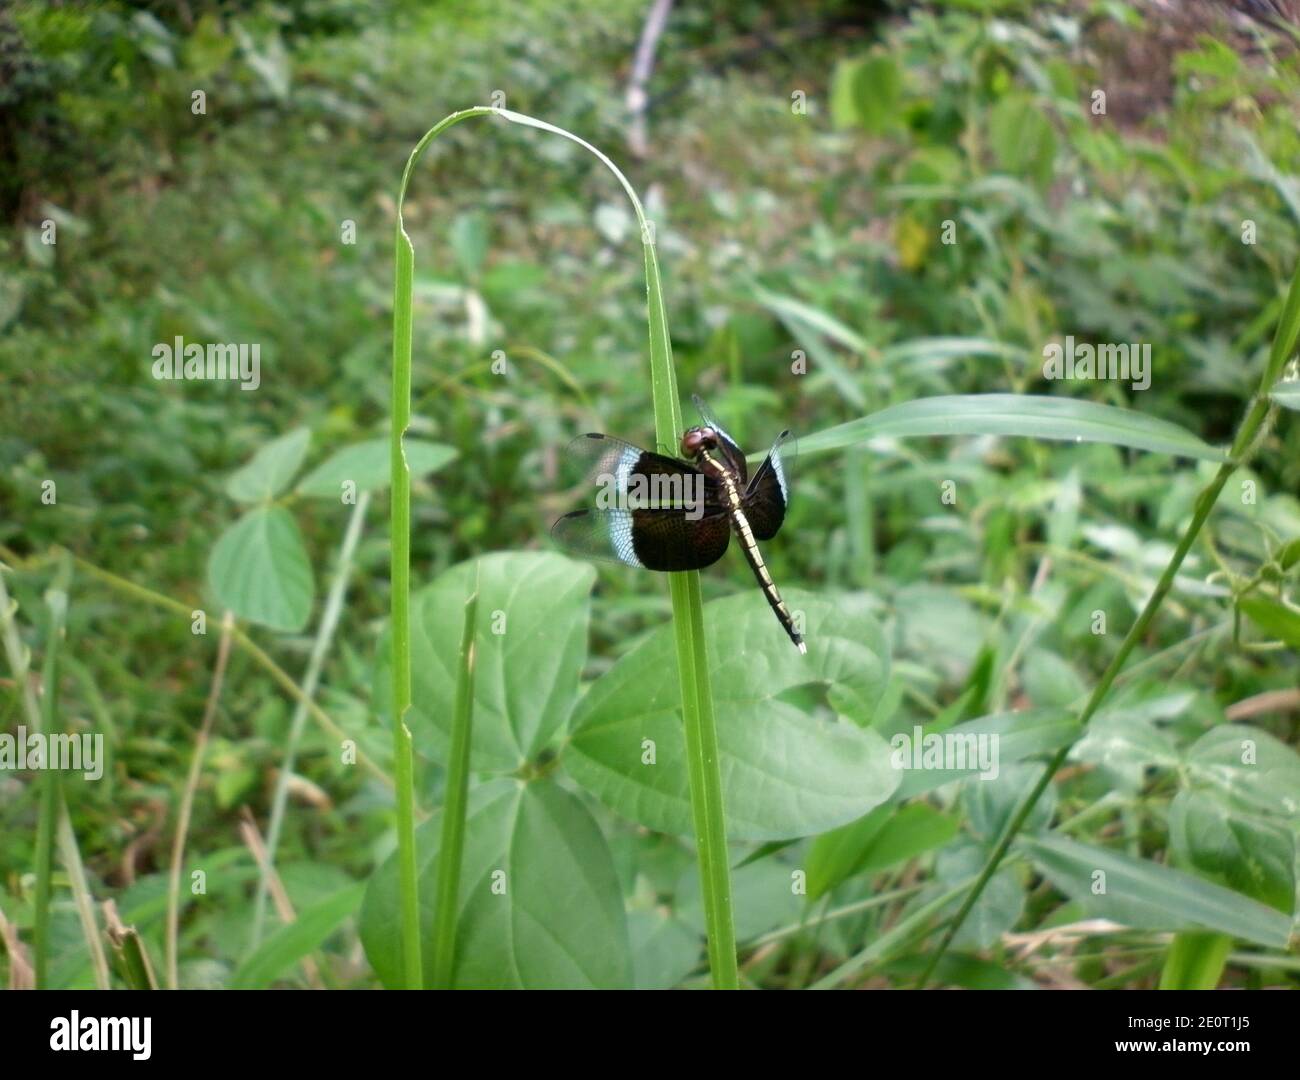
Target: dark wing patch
[
  {"x": 653, "y": 539},
  {"x": 732, "y": 452},
  {"x": 768, "y": 494},
  {"x": 632, "y": 478}
]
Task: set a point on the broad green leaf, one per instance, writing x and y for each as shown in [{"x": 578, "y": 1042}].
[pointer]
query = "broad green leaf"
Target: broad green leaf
[
  {"x": 1248, "y": 853},
  {"x": 1250, "y": 768},
  {"x": 530, "y": 647},
  {"x": 1276, "y": 620},
  {"x": 999, "y": 906},
  {"x": 259, "y": 570},
  {"x": 785, "y": 773},
  {"x": 366, "y": 464},
  {"x": 887, "y": 835},
  {"x": 269, "y": 471},
  {"x": 1022, "y": 138},
  {"x": 540, "y": 904},
  {"x": 1124, "y": 746},
  {"x": 1287, "y": 394},
  {"x": 1146, "y": 895},
  {"x": 290, "y": 943},
  {"x": 763, "y": 896},
  {"x": 664, "y": 950},
  {"x": 989, "y": 805},
  {"x": 1031, "y": 415},
  {"x": 1004, "y": 737}
]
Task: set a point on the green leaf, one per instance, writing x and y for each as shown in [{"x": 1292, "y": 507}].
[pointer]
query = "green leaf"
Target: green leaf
[
  {"x": 1276, "y": 620},
  {"x": 531, "y": 644},
  {"x": 790, "y": 308},
  {"x": 664, "y": 951},
  {"x": 1253, "y": 770},
  {"x": 540, "y": 904},
  {"x": 999, "y": 906},
  {"x": 269, "y": 471},
  {"x": 1015, "y": 735},
  {"x": 990, "y": 804},
  {"x": 1248, "y": 853},
  {"x": 1287, "y": 333},
  {"x": 867, "y": 92},
  {"x": 1147, "y": 895},
  {"x": 1195, "y": 961},
  {"x": 1022, "y": 138},
  {"x": 293, "y": 941},
  {"x": 935, "y": 352},
  {"x": 886, "y": 836},
  {"x": 260, "y": 571},
  {"x": 1036, "y": 416},
  {"x": 366, "y": 464},
  {"x": 785, "y": 773}
]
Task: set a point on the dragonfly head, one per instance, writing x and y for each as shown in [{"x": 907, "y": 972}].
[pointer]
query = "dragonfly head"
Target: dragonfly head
[{"x": 698, "y": 441}]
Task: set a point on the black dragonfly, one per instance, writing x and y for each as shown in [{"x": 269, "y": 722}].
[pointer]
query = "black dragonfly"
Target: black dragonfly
[{"x": 662, "y": 513}]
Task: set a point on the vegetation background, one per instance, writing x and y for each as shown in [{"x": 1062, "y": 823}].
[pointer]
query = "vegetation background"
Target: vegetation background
[{"x": 799, "y": 163}]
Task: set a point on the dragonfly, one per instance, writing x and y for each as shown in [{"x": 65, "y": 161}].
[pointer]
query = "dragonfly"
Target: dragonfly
[{"x": 664, "y": 513}]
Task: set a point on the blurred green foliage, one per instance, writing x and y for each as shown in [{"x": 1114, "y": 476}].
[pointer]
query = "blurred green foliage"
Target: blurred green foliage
[{"x": 948, "y": 201}]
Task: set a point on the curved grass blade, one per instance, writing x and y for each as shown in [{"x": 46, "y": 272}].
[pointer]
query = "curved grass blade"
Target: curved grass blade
[
  {"x": 1035, "y": 416},
  {"x": 688, "y": 614}
]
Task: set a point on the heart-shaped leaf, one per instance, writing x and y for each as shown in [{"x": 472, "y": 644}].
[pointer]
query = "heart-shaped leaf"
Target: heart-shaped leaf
[
  {"x": 259, "y": 570},
  {"x": 1252, "y": 854},
  {"x": 269, "y": 471},
  {"x": 540, "y": 904},
  {"x": 785, "y": 773},
  {"x": 531, "y": 644}
]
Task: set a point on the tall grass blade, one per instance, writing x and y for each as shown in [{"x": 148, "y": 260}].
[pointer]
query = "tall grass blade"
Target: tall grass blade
[{"x": 688, "y": 611}]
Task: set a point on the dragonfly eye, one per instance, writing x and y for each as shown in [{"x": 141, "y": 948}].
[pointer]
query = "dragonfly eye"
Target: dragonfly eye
[{"x": 697, "y": 440}]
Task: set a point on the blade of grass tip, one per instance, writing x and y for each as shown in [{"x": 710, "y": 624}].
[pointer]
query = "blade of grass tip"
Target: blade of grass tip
[
  {"x": 688, "y": 612},
  {"x": 187, "y": 802},
  {"x": 129, "y": 954},
  {"x": 80, "y": 886},
  {"x": 400, "y": 567},
  {"x": 1254, "y": 426},
  {"x": 316, "y": 661},
  {"x": 452, "y": 845}
]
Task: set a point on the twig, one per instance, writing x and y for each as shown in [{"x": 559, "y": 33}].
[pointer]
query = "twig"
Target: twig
[
  {"x": 637, "y": 98},
  {"x": 320, "y": 647},
  {"x": 187, "y": 800}
]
